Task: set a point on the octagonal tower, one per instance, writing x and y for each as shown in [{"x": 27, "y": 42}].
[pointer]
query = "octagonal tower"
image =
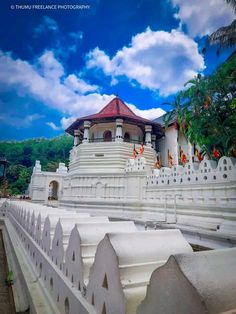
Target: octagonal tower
[{"x": 104, "y": 141}]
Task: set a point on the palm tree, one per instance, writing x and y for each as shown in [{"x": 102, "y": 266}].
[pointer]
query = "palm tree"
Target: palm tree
[
  {"x": 225, "y": 36},
  {"x": 233, "y": 4}
]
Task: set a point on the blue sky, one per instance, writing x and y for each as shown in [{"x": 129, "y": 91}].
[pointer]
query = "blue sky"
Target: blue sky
[{"x": 60, "y": 64}]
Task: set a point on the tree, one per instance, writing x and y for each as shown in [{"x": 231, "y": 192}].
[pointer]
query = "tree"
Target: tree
[
  {"x": 225, "y": 37},
  {"x": 22, "y": 156},
  {"x": 52, "y": 166},
  {"x": 206, "y": 111}
]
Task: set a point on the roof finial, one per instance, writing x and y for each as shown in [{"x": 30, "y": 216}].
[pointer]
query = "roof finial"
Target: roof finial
[{"x": 117, "y": 95}]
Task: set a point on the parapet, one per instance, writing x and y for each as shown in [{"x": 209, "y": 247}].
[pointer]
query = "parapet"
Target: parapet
[
  {"x": 136, "y": 165},
  {"x": 123, "y": 266},
  {"x": 197, "y": 283},
  {"x": 62, "y": 168},
  {"x": 37, "y": 167},
  {"x": 207, "y": 172}
]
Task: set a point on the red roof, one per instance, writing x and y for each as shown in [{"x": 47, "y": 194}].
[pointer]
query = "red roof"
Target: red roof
[{"x": 116, "y": 108}]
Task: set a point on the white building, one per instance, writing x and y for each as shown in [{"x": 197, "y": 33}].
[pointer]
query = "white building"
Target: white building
[
  {"x": 106, "y": 177},
  {"x": 76, "y": 259}
]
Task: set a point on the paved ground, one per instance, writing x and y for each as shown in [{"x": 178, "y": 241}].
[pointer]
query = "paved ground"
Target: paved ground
[{"x": 6, "y": 298}]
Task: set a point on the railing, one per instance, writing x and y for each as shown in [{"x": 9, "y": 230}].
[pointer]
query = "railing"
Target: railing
[
  {"x": 101, "y": 139},
  {"x": 113, "y": 139}
]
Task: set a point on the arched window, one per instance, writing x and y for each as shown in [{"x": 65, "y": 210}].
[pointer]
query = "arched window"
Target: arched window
[
  {"x": 127, "y": 137},
  {"x": 107, "y": 136}
]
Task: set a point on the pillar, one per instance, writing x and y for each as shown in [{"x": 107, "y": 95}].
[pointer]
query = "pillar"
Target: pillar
[
  {"x": 148, "y": 135},
  {"x": 76, "y": 137},
  {"x": 190, "y": 152},
  {"x": 154, "y": 141},
  {"x": 87, "y": 125},
  {"x": 176, "y": 147},
  {"x": 119, "y": 125}
]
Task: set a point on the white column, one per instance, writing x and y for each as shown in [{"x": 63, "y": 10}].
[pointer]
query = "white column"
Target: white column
[
  {"x": 176, "y": 148},
  {"x": 86, "y": 131},
  {"x": 190, "y": 152},
  {"x": 76, "y": 137},
  {"x": 154, "y": 141},
  {"x": 148, "y": 135},
  {"x": 119, "y": 124}
]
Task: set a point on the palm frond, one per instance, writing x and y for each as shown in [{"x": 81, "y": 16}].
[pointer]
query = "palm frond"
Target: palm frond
[
  {"x": 224, "y": 36},
  {"x": 232, "y": 3}
]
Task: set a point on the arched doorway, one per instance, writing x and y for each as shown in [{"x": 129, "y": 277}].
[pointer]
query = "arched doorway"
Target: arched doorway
[
  {"x": 107, "y": 136},
  {"x": 53, "y": 190},
  {"x": 127, "y": 137}
]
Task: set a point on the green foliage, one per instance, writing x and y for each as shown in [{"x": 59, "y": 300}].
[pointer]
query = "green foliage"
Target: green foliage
[
  {"x": 206, "y": 110},
  {"x": 22, "y": 157}
]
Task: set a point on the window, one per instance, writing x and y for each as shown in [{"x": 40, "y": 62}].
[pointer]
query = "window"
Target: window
[
  {"x": 127, "y": 137},
  {"x": 107, "y": 136}
]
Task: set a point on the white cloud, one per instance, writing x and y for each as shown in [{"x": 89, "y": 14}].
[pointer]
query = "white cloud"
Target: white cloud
[
  {"x": 78, "y": 85},
  {"x": 76, "y": 35},
  {"x": 65, "y": 122},
  {"x": 47, "y": 82},
  {"x": 203, "y": 17},
  {"x": 49, "y": 67},
  {"x": 53, "y": 126},
  {"x": 151, "y": 114},
  {"x": 157, "y": 60},
  {"x": 47, "y": 24},
  {"x": 19, "y": 122}
]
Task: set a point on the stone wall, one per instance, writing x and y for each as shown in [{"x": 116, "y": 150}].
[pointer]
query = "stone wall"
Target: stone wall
[
  {"x": 66, "y": 251},
  {"x": 121, "y": 261},
  {"x": 198, "y": 195}
]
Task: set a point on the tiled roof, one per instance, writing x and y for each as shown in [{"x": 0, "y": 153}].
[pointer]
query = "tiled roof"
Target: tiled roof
[{"x": 114, "y": 109}]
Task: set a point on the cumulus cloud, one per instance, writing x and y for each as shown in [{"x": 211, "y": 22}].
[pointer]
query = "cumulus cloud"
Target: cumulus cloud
[
  {"x": 78, "y": 85},
  {"x": 157, "y": 60},
  {"x": 46, "y": 81},
  {"x": 203, "y": 17},
  {"x": 151, "y": 114}
]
